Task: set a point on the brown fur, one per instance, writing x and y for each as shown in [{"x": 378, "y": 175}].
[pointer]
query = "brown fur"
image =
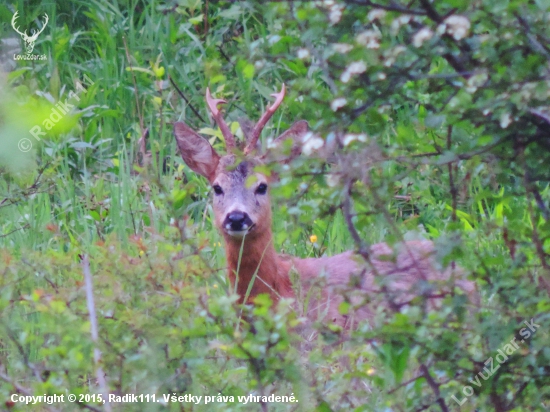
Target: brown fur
[{"x": 324, "y": 283}]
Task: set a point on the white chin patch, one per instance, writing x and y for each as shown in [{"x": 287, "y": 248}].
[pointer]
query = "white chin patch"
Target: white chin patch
[{"x": 237, "y": 233}]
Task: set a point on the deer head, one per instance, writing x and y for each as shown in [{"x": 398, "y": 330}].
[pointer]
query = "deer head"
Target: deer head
[
  {"x": 29, "y": 40},
  {"x": 241, "y": 194}
]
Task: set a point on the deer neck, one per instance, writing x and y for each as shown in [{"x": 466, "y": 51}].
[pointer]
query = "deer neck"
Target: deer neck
[{"x": 258, "y": 262}]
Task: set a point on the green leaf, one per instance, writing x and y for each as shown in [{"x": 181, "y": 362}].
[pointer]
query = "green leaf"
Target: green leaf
[{"x": 248, "y": 71}]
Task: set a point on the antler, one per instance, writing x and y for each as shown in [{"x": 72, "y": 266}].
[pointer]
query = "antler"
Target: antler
[
  {"x": 46, "y": 20},
  {"x": 16, "y": 28},
  {"x": 255, "y": 135},
  {"x": 213, "y": 106}
]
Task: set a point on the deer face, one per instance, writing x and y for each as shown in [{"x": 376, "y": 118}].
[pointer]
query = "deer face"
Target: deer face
[
  {"x": 241, "y": 200},
  {"x": 241, "y": 194}
]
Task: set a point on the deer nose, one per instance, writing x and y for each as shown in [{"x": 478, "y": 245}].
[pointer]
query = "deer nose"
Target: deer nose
[{"x": 237, "y": 221}]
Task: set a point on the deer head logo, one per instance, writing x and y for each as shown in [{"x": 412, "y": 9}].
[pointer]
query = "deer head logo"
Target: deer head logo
[{"x": 29, "y": 40}]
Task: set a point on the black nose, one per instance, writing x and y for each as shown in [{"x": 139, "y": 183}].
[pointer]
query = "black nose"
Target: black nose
[{"x": 237, "y": 221}]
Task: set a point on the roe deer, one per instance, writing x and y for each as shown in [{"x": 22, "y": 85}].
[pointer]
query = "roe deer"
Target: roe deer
[{"x": 243, "y": 215}]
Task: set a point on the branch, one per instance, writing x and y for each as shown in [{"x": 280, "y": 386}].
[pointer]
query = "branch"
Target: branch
[
  {"x": 535, "y": 44},
  {"x": 540, "y": 114},
  {"x": 393, "y": 7},
  {"x": 433, "y": 384},
  {"x": 29, "y": 190},
  {"x": 100, "y": 375},
  {"x": 185, "y": 98},
  {"x": 142, "y": 144},
  {"x": 451, "y": 176},
  {"x": 22, "y": 389},
  {"x": 544, "y": 282},
  {"x": 363, "y": 249},
  {"x": 18, "y": 388},
  {"x": 453, "y": 60},
  {"x": 25, "y": 226}
]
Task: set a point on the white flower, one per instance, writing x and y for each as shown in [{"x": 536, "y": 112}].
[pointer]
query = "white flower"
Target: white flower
[
  {"x": 274, "y": 39},
  {"x": 385, "y": 108},
  {"x": 457, "y": 26},
  {"x": 421, "y": 36},
  {"x": 348, "y": 138},
  {"x": 482, "y": 38},
  {"x": 398, "y": 50},
  {"x": 311, "y": 143},
  {"x": 303, "y": 54},
  {"x": 475, "y": 81},
  {"x": 332, "y": 179},
  {"x": 391, "y": 55},
  {"x": 381, "y": 76},
  {"x": 259, "y": 64},
  {"x": 376, "y": 14},
  {"x": 342, "y": 47},
  {"x": 272, "y": 143},
  {"x": 505, "y": 120},
  {"x": 337, "y": 103},
  {"x": 345, "y": 76},
  {"x": 441, "y": 29},
  {"x": 335, "y": 13},
  {"x": 398, "y": 22},
  {"x": 354, "y": 68},
  {"x": 369, "y": 38},
  {"x": 357, "y": 67}
]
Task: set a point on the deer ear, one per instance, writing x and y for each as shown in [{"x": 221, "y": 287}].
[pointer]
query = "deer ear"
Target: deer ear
[
  {"x": 196, "y": 151},
  {"x": 295, "y": 133}
]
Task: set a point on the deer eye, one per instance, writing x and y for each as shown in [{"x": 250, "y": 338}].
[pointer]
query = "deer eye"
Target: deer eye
[
  {"x": 217, "y": 189},
  {"x": 262, "y": 189}
]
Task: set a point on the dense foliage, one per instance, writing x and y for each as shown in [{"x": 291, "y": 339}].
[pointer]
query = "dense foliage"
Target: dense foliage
[{"x": 429, "y": 120}]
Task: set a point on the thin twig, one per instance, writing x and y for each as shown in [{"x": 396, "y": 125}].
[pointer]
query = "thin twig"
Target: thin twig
[
  {"x": 225, "y": 56},
  {"x": 18, "y": 388},
  {"x": 22, "y": 390},
  {"x": 535, "y": 44},
  {"x": 540, "y": 114},
  {"x": 363, "y": 249},
  {"x": 451, "y": 176},
  {"x": 456, "y": 61},
  {"x": 544, "y": 282},
  {"x": 393, "y": 7},
  {"x": 404, "y": 384},
  {"x": 143, "y": 159},
  {"x": 435, "y": 387},
  {"x": 25, "y": 226},
  {"x": 100, "y": 375},
  {"x": 29, "y": 190},
  {"x": 185, "y": 98}
]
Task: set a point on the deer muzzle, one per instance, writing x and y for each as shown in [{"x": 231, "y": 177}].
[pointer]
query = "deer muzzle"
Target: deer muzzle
[{"x": 237, "y": 223}]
